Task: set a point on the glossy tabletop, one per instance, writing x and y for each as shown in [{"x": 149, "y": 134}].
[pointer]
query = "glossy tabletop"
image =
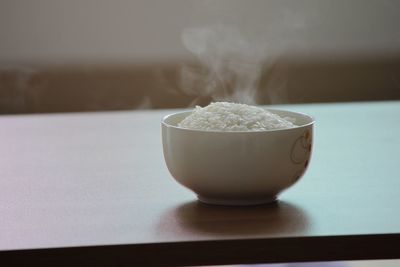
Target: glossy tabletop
[{"x": 93, "y": 188}]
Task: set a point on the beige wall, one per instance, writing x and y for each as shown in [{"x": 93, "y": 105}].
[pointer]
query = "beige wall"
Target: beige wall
[{"x": 98, "y": 54}]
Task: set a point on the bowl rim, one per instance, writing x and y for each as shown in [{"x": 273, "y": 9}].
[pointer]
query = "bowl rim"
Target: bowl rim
[{"x": 311, "y": 123}]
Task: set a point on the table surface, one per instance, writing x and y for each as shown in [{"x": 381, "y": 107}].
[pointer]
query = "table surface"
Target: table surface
[{"x": 94, "y": 188}]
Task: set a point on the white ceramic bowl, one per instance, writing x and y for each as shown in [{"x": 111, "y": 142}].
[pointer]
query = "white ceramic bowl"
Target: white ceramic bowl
[{"x": 237, "y": 168}]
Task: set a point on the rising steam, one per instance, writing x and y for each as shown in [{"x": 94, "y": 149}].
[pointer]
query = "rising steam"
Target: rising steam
[{"x": 230, "y": 65}]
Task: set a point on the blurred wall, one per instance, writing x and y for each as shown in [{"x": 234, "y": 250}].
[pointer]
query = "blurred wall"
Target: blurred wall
[{"x": 96, "y": 54}]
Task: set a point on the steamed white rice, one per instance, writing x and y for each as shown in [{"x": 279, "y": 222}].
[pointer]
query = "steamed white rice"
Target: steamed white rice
[{"x": 224, "y": 116}]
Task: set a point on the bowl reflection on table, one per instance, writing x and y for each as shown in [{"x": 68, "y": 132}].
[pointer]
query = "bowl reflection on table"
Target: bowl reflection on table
[
  {"x": 275, "y": 219},
  {"x": 237, "y": 168}
]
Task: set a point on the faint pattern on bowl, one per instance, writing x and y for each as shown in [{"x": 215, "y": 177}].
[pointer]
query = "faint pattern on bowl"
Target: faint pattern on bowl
[{"x": 300, "y": 153}]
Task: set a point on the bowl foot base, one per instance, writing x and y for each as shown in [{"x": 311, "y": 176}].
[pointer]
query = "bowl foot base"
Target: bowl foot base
[{"x": 237, "y": 202}]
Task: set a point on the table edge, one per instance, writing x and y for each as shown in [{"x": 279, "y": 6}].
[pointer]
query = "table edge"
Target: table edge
[{"x": 235, "y": 251}]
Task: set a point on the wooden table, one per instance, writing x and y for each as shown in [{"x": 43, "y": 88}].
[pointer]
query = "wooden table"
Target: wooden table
[{"x": 93, "y": 189}]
